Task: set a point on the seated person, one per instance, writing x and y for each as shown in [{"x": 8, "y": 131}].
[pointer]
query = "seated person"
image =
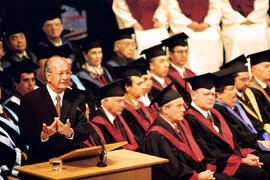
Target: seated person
[
  {"x": 170, "y": 137},
  {"x": 92, "y": 70},
  {"x": 17, "y": 49},
  {"x": 241, "y": 126},
  {"x": 53, "y": 27},
  {"x": 124, "y": 48},
  {"x": 23, "y": 75},
  {"x": 108, "y": 116},
  {"x": 159, "y": 68},
  {"x": 214, "y": 136},
  {"x": 138, "y": 116},
  {"x": 242, "y": 78}
]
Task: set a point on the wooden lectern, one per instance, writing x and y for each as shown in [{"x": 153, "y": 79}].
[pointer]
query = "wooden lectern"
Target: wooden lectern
[{"x": 121, "y": 165}]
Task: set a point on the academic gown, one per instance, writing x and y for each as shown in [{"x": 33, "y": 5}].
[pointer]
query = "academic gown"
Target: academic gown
[
  {"x": 100, "y": 81},
  {"x": 243, "y": 136},
  {"x": 182, "y": 165},
  {"x": 116, "y": 132},
  {"x": 220, "y": 148},
  {"x": 138, "y": 120}
]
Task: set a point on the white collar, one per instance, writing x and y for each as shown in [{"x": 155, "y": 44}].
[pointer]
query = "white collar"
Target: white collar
[
  {"x": 108, "y": 114},
  {"x": 60, "y": 43},
  {"x": 159, "y": 79},
  {"x": 145, "y": 100},
  {"x": 53, "y": 95},
  {"x": 263, "y": 85},
  {"x": 180, "y": 70},
  {"x": 204, "y": 113}
]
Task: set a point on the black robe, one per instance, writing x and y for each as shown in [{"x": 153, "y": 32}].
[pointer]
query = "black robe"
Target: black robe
[
  {"x": 220, "y": 148},
  {"x": 137, "y": 121},
  {"x": 117, "y": 132},
  {"x": 181, "y": 165}
]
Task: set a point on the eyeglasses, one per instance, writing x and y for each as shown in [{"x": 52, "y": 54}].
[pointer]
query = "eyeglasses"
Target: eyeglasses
[{"x": 61, "y": 74}]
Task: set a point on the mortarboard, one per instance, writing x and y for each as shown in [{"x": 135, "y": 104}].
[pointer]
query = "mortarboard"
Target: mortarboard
[
  {"x": 51, "y": 14},
  {"x": 238, "y": 64},
  {"x": 124, "y": 34},
  {"x": 131, "y": 70},
  {"x": 24, "y": 66},
  {"x": 224, "y": 77},
  {"x": 12, "y": 28},
  {"x": 86, "y": 44},
  {"x": 47, "y": 52},
  {"x": 141, "y": 61},
  {"x": 111, "y": 90},
  {"x": 176, "y": 40},
  {"x": 154, "y": 51},
  {"x": 165, "y": 96},
  {"x": 256, "y": 58},
  {"x": 201, "y": 81}
]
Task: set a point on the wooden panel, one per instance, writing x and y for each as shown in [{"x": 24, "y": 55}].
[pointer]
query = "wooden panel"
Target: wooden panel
[
  {"x": 119, "y": 160},
  {"x": 136, "y": 174}
]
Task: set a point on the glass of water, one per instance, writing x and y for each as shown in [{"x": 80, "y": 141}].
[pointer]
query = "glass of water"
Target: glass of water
[{"x": 56, "y": 164}]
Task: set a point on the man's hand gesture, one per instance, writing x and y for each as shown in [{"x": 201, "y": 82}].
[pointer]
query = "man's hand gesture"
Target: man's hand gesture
[
  {"x": 48, "y": 131},
  {"x": 64, "y": 129}
]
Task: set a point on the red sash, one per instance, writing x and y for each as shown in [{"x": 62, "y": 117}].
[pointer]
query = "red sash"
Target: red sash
[
  {"x": 234, "y": 161},
  {"x": 92, "y": 143},
  {"x": 143, "y": 122},
  {"x": 183, "y": 146},
  {"x": 176, "y": 75},
  {"x": 227, "y": 134},
  {"x": 148, "y": 113},
  {"x": 196, "y": 10},
  {"x": 245, "y": 7},
  {"x": 143, "y": 11},
  {"x": 102, "y": 80},
  {"x": 116, "y": 133}
]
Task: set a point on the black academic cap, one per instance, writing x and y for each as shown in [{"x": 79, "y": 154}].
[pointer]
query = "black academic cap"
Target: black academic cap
[
  {"x": 47, "y": 52},
  {"x": 131, "y": 70},
  {"x": 201, "y": 81},
  {"x": 86, "y": 44},
  {"x": 176, "y": 40},
  {"x": 238, "y": 64},
  {"x": 12, "y": 28},
  {"x": 154, "y": 51},
  {"x": 224, "y": 77},
  {"x": 124, "y": 34},
  {"x": 51, "y": 14},
  {"x": 24, "y": 66},
  {"x": 166, "y": 95},
  {"x": 111, "y": 90},
  {"x": 141, "y": 61},
  {"x": 256, "y": 58}
]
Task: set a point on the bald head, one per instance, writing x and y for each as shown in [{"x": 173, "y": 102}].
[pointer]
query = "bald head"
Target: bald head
[{"x": 57, "y": 73}]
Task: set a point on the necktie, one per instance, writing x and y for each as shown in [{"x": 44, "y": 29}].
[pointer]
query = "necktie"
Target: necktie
[
  {"x": 209, "y": 117},
  {"x": 57, "y": 106},
  {"x": 184, "y": 74}
]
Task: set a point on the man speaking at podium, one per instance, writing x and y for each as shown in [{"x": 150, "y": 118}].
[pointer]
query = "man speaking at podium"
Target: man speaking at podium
[{"x": 49, "y": 121}]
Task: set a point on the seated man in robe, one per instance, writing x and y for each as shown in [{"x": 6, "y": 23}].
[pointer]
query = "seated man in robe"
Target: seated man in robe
[
  {"x": 242, "y": 78},
  {"x": 124, "y": 48},
  {"x": 138, "y": 116},
  {"x": 214, "y": 136},
  {"x": 170, "y": 137},
  {"x": 108, "y": 116},
  {"x": 23, "y": 75}
]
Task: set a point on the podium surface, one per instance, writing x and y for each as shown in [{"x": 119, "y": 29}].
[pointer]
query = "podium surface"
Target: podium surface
[{"x": 121, "y": 164}]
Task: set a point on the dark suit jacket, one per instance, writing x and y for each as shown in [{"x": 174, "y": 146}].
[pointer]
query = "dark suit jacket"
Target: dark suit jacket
[{"x": 37, "y": 108}]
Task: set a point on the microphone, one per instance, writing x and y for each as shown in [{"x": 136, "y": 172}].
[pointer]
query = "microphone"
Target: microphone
[{"x": 103, "y": 154}]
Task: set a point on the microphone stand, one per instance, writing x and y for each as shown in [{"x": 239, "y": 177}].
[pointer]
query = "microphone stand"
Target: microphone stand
[{"x": 103, "y": 154}]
